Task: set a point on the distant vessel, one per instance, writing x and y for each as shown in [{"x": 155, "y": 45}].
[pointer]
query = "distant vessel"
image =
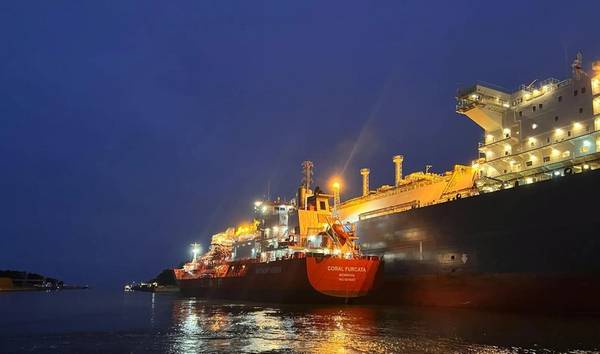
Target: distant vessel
[
  {"x": 517, "y": 228},
  {"x": 292, "y": 252}
]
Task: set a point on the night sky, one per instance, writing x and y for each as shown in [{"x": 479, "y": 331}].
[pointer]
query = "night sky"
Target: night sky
[{"x": 129, "y": 130}]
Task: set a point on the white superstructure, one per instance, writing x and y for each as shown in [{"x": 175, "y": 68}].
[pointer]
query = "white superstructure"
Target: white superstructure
[{"x": 543, "y": 130}]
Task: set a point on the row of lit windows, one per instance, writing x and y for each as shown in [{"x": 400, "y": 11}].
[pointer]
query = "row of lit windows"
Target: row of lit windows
[
  {"x": 555, "y": 118},
  {"x": 540, "y": 106}
]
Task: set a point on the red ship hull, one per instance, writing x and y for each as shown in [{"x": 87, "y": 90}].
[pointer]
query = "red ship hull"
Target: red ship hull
[{"x": 308, "y": 279}]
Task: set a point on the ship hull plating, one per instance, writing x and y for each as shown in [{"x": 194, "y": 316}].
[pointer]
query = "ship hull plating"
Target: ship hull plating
[
  {"x": 535, "y": 247},
  {"x": 302, "y": 280}
]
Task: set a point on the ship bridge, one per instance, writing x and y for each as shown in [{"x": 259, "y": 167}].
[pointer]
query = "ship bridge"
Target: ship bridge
[{"x": 484, "y": 105}]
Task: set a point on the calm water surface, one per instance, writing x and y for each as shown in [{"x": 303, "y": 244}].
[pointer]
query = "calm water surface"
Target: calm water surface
[{"x": 103, "y": 321}]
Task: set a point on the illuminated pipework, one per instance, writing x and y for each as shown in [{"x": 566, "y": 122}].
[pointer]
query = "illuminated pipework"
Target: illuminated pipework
[
  {"x": 398, "y": 168},
  {"x": 364, "y": 172}
]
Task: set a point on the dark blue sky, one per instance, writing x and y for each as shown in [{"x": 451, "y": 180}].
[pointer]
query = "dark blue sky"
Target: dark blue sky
[{"x": 130, "y": 129}]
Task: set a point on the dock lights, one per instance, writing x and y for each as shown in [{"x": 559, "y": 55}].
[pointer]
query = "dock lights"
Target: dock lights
[
  {"x": 557, "y": 173},
  {"x": 258, "y": 203},
  {"x": 586, "y": 166}
]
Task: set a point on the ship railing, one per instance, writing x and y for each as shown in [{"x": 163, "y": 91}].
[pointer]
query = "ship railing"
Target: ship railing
[
  {"x": 389, "y": 210},
  {"x": 395, "y": 190},
  {"x": 464, "y": 92},
  {"x": 520, "y": 151}
]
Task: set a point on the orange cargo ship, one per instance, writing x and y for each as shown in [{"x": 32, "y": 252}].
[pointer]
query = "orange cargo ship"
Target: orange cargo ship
[{"x": 292, "y": 252}]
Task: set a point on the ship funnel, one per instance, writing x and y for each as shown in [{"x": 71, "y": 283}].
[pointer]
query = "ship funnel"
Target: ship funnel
[
  {"x": 364, "y": 172},
  {"x": 398, "y": 167}
]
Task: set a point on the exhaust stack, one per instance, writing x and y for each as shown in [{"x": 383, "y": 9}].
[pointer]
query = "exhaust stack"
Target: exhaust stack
[
  {"x": 364, "y": 172},
  {"x": 398, "y": 167}
]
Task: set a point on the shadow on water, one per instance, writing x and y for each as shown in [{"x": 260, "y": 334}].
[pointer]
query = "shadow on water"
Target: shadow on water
[{"x": 94, "y": 321}]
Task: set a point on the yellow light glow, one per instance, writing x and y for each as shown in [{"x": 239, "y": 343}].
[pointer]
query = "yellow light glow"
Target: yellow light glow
[
  {"x": 577, "y": 125},
  {"x": 336, "y": 185},
  {"x": 536, "y": 92},
  {"x": 489, "y": 154},
  {"x": 595, "y": 85},
  {"x": 533, "y": 158},
  {"x": 559, "y": 131},
  {"x": 527, "y": 96},
  {"x": 528, "y": 180},
  {"x": 506, "y": 131},
  {"x": 555, "y": 153},
  {"x": 546, "y": 88}
]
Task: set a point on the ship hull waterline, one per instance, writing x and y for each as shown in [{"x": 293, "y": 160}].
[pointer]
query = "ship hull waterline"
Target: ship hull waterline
[{"x": 302, "y": 280}]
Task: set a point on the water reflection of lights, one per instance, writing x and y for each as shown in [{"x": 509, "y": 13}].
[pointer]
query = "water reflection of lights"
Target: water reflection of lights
[{"x": 199, "y": 326}]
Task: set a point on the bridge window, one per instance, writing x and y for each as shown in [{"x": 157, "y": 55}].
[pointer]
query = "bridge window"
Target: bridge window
[
  {"x": 559, "y": 98},
  {"x": 575, "y": 93},
  {"x": 582, "y": 90}
]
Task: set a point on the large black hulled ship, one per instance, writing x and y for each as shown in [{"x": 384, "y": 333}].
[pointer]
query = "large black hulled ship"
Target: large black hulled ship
[{"x": 518, "y": 228}]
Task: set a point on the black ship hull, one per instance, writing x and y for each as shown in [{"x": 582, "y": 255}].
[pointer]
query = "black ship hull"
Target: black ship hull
[{"x": 533, "y": 247}]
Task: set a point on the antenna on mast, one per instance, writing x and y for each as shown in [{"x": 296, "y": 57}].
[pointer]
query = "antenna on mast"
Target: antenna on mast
[
  {"x": 307, "y": 174},
  {"x": 576, "y": 66}
]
